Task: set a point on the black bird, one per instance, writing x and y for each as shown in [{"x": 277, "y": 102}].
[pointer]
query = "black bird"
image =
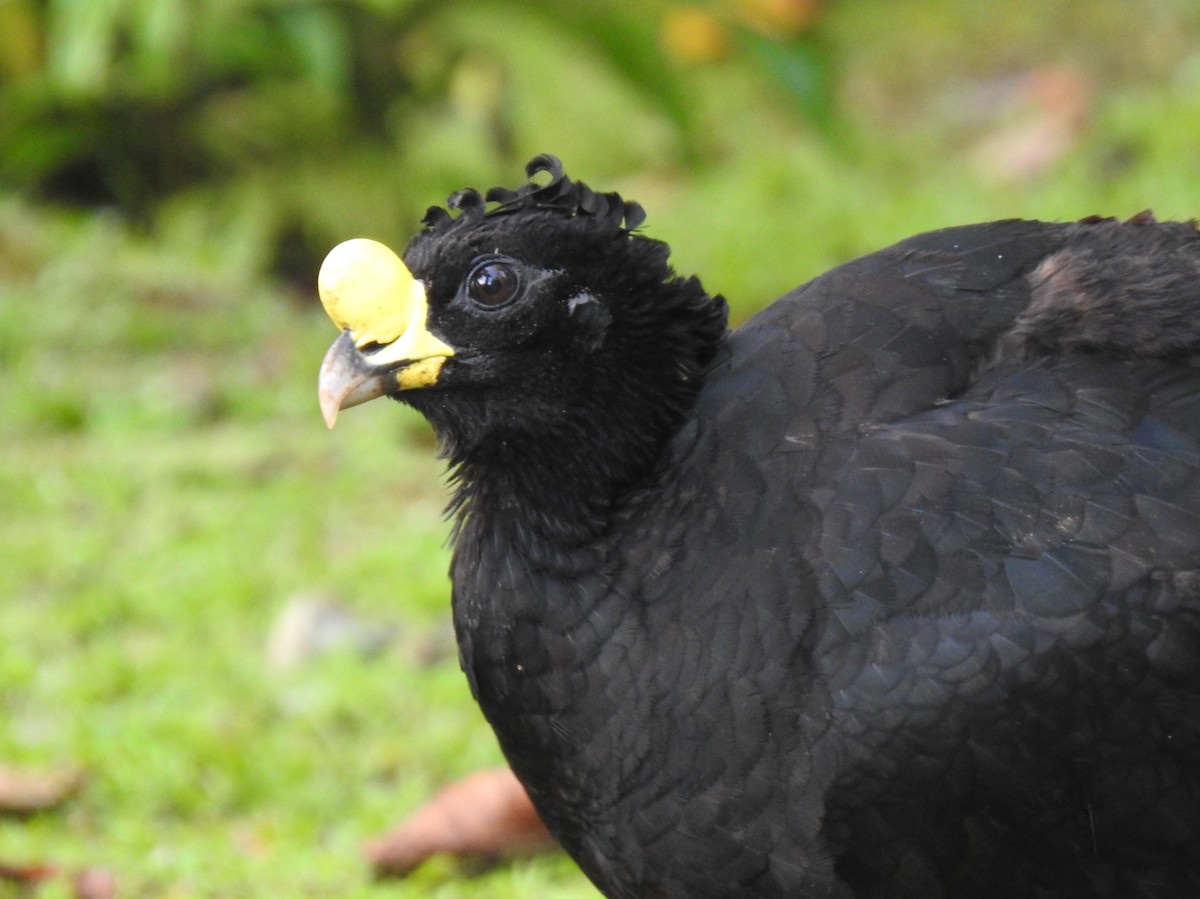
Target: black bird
[{"x": 892, "y": 592}]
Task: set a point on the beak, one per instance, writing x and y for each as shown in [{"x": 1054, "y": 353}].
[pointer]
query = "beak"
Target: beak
[
  {"x": 346, "y": 379},
  {"x": 385, "y": 345}
]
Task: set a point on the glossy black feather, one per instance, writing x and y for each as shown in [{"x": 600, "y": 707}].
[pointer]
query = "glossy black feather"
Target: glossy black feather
[{"x": 893, "y": 592}]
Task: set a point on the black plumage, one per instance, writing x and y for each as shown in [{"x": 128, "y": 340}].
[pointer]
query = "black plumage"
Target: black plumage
[{"x": 892, "y": 592}]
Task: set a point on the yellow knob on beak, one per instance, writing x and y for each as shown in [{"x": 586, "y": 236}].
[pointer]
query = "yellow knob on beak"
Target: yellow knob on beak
[
  {"x": 366, "y": 289},
  {"x": 386, "y": 345}
]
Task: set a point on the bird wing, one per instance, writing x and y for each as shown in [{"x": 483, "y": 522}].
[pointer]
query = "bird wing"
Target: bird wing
[
  {"x": 894, "y": 332},
  {"x": 1008, "y": 624},
  {"x": 995, "y": 464}
]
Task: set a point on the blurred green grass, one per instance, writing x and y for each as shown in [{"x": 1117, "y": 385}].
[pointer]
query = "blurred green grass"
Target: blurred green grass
[{"x": 166, "y": 482}]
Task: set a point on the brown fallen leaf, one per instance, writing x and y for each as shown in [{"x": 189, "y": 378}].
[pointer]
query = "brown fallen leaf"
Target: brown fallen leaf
[
  {"x": 26, "y": 792},
  {"x": 486, "y": 816},
  {"x": 26, "y": 874}
]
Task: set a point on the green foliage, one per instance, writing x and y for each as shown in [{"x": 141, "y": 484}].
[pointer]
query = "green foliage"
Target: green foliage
[
  {"x": 140, "y": 102},
  {"x": 290, "y": 123}
]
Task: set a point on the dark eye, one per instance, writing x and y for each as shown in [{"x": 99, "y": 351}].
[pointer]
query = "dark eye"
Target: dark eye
[{"x": 493, "y": 284}]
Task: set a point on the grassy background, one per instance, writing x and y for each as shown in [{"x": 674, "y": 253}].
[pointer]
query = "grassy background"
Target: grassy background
[{"x": 166, "y": 483}]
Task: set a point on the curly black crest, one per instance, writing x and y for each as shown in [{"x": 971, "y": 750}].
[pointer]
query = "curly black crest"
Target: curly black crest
[{"x": 560, "y": 194}]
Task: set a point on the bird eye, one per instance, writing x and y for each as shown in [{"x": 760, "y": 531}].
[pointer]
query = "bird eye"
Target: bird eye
[{"x": 493, "y": 284}]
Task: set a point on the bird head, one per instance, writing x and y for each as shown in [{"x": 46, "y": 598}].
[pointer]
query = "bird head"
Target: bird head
[{"x": 537, "y": 310}]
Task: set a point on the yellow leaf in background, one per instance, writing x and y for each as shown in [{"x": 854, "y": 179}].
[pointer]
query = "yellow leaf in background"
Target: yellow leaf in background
[
  {"x": 776, "y": 18},
  {"x": 694, "y": 35},
  {"x": 20, "y": 37}
]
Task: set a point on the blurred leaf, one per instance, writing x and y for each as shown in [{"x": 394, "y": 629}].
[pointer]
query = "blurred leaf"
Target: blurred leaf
[
  {"x": 485, "y": 816},
  {"x": 158, "y": 34},
  {"x": 81, "y": 39},
  {"x": 25, "y": 792},
  {"x": 801, "y": 66},
  {"x": 692, "y": 34},
  {"x": 322, "y": 45},
  {"x": 36, "y": 141},
  {"x": 20, "y": 38},
  {"x": 630, "y": 39},
  {"x": 776, "y": 18}
]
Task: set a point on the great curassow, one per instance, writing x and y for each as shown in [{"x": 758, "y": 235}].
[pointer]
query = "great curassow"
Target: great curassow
[{"x": 892, "y": 592}]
